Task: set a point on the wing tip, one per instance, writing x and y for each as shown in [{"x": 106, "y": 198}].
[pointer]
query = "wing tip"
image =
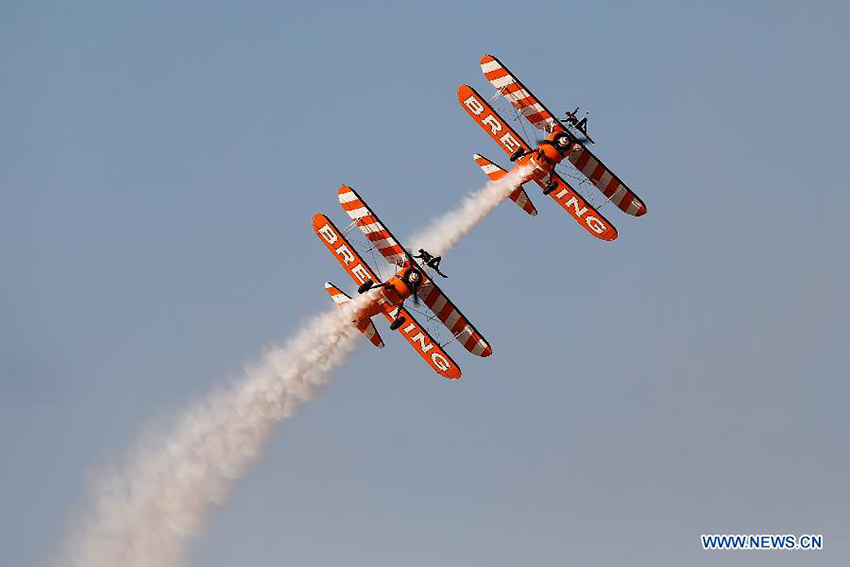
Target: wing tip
[
  {"x": 462, "y": 90},
  {"x": 317, "y": 218}
]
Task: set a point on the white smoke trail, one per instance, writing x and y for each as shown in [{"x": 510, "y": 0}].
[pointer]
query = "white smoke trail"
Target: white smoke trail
[
  {"x": 448, "y": 229},
  {"x": 144, "y": 514}
]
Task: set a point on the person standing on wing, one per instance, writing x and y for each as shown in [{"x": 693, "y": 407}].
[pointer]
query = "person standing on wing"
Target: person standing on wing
[{"x": 432, "y": 262}]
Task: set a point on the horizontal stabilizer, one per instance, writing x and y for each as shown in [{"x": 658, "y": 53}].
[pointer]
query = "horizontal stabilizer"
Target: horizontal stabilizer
[
  {"x": 365, "y": 326},
  {"x": 494, "y": 172}
]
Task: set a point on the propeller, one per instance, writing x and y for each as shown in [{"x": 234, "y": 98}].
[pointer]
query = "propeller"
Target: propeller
[{"x": 414, "y": 287}]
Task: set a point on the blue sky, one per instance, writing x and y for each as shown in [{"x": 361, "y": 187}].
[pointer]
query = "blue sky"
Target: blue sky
[{"x": 162, "y": 164}]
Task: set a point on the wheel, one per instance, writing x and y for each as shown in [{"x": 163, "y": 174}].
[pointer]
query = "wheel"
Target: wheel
[
  {"x": 397, "y": 323},
  {"x": 366, "y": 286},
  {"x": 550, "y": 187},
  {"x": 517, "y": 154}
]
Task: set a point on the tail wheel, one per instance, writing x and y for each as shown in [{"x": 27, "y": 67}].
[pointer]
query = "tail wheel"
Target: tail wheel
[
  {"x": 551, "y": 186},
  {"x": 397, "y": 323},
  {"x": 517, "y": 154},
  {"x": 366, "y": 286}
]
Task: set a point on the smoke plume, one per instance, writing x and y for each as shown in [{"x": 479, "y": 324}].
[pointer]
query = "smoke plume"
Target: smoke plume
[
  {"x": 144, "y": 513},
  {"x": 448, "y": 229}
]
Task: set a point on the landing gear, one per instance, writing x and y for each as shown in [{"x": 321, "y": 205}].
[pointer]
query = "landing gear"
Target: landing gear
[
  {"x": 517, "y": 154},
  {"x": 551, "y": 186},
  {"x": 397, "y": 323},
  {"x": 366, "y": 286}
]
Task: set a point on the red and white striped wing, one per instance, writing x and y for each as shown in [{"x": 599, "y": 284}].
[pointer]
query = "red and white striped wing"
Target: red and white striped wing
[
  {"x": 605, "y": 180},
  {"x": 374, "y": 230},
  {"x": 519, "y": 96},
  {"x": 494, "y": 172},
  {"x": 452, "y": 318}
]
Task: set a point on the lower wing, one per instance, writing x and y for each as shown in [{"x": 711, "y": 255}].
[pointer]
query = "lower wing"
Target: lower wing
[
  {"x": 424, "y": 344},
  {"x": 582, "y": 211}
]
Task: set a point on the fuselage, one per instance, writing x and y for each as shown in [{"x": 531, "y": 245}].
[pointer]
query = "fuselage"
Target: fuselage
[
  {"x": 543, "y": 159},
  {"x": 394, "y": 293}
]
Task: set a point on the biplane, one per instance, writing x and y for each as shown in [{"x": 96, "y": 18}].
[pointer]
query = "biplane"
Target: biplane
[
  {"x": 410, "y": 280},
  {"x": 559, "y": 144}
]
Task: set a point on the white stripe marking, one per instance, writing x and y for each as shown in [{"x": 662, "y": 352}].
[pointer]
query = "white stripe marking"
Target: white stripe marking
[
  {"x": 371, "y": 227},
  {"x": 452, "y": 318},
  {"x": 438, "y": 304},
  {"x": 604, "y": 180},
  {"x": 358, "y": 213},
  {"x": 479, "y": 347},
  {"x": 500, "y": 82},
  {"x": 490, "y": 66},
  {"x": 517, "y": 96}
]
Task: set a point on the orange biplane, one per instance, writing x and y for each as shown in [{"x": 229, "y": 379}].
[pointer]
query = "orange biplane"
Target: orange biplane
[
  {"x": 560, "y": 143},
  {"x": 410, "y": 281}
]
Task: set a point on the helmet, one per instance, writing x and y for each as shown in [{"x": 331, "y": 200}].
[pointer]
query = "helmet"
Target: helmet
[
  {"x": 563, "y": 141},
  {"x": 413, "y": 277}
]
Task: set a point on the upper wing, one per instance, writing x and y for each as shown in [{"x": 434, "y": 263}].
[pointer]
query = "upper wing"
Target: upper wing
[
  {"x": 452, "y": 318},
  {"x": 582, "y": 211},
  {"x": 494, "y": 172},
  {"x": 607, "y": 182},
  {"x": 519, "y": 96},
  {"x": 371, "y": 226},
  {"x": 489, "y": 120},
  {"x": 435, "y": 299},
  {"x": 424, "y": 344}
]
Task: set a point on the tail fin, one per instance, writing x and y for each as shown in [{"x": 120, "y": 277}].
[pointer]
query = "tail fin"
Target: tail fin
[
  {"x": 494, "y": 172},
  {"x": 365, "y": 326}
]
